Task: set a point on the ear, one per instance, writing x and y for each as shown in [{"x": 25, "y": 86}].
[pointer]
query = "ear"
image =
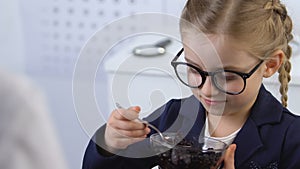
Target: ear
[{"x": 273, "y": 63}]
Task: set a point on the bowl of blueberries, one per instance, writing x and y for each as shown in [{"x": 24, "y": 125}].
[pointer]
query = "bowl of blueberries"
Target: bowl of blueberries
[{"x": 179, "y": 153}]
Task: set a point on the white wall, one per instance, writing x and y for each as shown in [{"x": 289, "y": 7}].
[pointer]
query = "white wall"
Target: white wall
[{"x": 11, "y": 39}]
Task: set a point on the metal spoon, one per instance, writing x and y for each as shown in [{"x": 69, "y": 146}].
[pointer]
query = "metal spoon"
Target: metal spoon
[{"x": 152, "y": 126}]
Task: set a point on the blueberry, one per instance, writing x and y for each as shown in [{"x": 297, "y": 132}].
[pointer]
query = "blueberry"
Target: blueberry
[{"x": 188, "y": 155}]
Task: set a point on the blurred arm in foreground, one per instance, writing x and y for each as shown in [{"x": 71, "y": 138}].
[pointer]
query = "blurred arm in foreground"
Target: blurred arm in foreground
[{"x": 27, "y": 136}]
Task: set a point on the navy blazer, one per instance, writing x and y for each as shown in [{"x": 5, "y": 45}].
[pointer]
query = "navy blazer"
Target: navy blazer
[{"x": 269, "y": 139}]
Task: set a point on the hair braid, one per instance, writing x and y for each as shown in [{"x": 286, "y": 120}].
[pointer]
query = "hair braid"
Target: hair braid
[
  {"x": 285, "y": 69},
  {"x": 279, "y": 15}
]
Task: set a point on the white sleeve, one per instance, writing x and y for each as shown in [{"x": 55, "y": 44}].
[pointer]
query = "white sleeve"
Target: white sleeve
[{"x": 27, "y": 137}]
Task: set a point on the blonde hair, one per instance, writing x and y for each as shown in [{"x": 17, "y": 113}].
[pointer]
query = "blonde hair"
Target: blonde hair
[{"x": 262, "y": 24}]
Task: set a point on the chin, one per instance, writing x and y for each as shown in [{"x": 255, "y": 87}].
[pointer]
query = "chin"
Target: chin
[{"x": 215, "y": 110}]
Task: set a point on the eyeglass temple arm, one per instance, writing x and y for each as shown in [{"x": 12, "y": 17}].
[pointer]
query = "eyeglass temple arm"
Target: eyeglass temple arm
[
  {"x": 247, "y": 75},
  {"x": 177, "y": 55}
]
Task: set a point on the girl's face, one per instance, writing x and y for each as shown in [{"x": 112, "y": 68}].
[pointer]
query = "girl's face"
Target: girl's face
[{"x": 221, "y": 52}]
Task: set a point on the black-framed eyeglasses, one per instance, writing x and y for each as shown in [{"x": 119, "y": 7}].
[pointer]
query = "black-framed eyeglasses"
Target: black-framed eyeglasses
[{"x": 227, "y": 81}]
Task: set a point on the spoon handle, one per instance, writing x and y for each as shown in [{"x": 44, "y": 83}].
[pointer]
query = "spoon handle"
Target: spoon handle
[{"x": 145, "y": 122}]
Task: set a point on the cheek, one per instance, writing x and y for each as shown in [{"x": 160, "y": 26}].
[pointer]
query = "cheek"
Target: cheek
[
  {"x": 246, "y": 98},
  {"x": 239, "y": 100},
  {"x": 195, "y": 92}
]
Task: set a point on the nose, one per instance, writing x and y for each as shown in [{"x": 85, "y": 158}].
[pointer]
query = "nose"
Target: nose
[{"x": 208, "y": 88}]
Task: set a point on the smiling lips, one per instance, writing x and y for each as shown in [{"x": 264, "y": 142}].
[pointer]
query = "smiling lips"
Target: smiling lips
[{"x": 210, "y": 102}]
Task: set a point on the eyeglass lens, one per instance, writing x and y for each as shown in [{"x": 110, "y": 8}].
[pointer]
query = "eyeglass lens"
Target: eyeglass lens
[{"x": 225, "y": 81}]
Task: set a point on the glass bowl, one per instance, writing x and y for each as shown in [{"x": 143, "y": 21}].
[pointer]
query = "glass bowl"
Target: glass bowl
[{"x": 202, "y": 153}]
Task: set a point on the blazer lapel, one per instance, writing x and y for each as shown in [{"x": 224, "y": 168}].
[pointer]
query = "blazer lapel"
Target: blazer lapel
[
  {"x": 248, "y": 142},
  {"x": 265, "y": 110}
]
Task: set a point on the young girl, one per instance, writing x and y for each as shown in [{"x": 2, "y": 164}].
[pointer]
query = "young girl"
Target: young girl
[{"x": 229, "y": 103}]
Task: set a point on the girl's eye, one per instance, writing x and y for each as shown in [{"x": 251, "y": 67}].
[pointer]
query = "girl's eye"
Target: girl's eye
[
  {"x": 231, "y": 77},
  {"x": 192, "y": 70},
  {"x": 227, "y": 76}
]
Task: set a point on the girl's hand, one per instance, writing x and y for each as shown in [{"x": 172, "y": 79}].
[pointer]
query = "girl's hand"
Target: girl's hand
[
  {"x": 229, "y": 157},
  {"x": 122, "y": 129}
]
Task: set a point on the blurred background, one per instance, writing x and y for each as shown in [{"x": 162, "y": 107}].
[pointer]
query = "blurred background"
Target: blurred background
[{"x": 42, "y": 40}]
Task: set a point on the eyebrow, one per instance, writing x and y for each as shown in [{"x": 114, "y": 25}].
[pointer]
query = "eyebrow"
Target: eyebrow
[
  {"x": 232, "y": 68},
  {"x": 192, "y": 62}
]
